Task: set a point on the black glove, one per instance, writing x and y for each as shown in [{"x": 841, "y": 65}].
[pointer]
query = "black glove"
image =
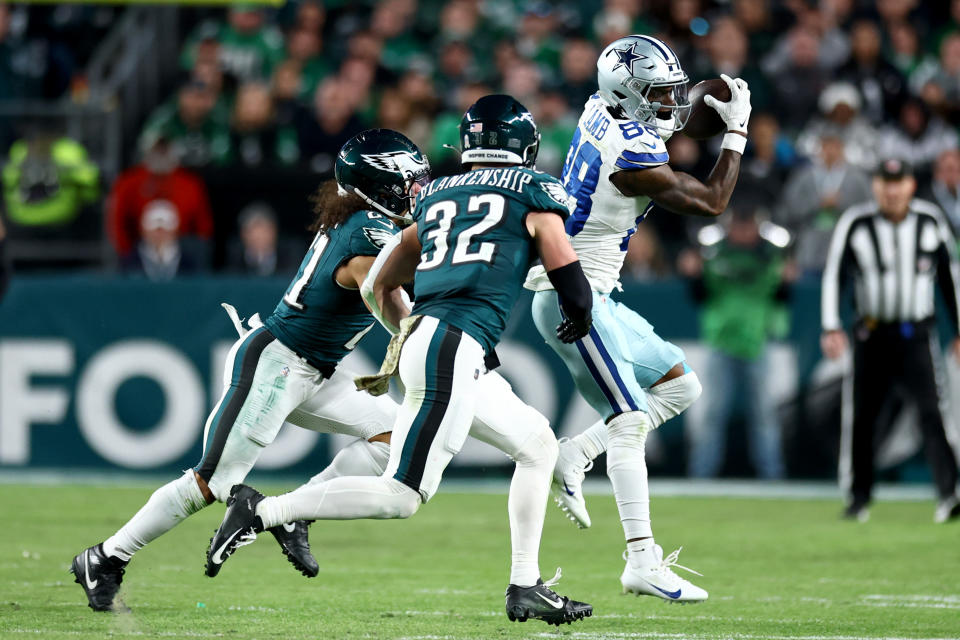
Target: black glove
[
  {"x": 576, "y": 301},
  {"x": 569, "y": 331}
]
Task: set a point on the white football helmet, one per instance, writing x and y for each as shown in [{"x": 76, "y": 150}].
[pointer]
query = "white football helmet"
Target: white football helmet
[{"x": 636, "y": 74}]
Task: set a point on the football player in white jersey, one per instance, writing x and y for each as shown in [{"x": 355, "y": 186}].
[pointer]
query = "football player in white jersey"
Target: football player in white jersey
[{"x": 615, "y": 168}]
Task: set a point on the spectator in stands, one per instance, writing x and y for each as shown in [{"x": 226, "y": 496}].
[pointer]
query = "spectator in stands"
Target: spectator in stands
[
  {"x": 578, "y": 72},
  {"x": 537, "y": 38},
  {"x": 327, "y": 127},
  {"x": 255, "y": 137},
  {"x": 727, "y": 52},
  {"x": 882, "y": 87},
  {"x": 249, "y": 48},
  {"x": 646, "y": 259},
  {"x": 158, "y": 177},
  {"x": 356, "y": 78},
  {"x": 460, "y": 20},
  {"x": 905, "y": 53},
  {"x": 194, "y": 124},
  {"x": 939, "y": 84},
  {"x": 392, "y": 22},
  {"x": 417, "y": 88},
  {"x": 611, "y": 24},
  {"x": 257, "y": 253},
  {"x": 446, "y": 130},
  {"x": 557, "y": 123},
  {"x": 304, "y": 48},
  {"x": 944, "y": 30},
  {"x": 918, "y": 137},
  {"x": 394, "y": 112},
  {"x": 4, "y": 262},
  {"x": 755, "y": 18},
  {"x": 816, "y": 195},
  {"x": 944, "y": 189},
  {"x": 311, "y": 15},
  {"x": 47, "y": 181},
  {"x": 741, "y": 279},
  {"x": 798, "y": 79},
  {"x": 522, "y": 81},
  {"x": 367, "y": 46},
  {"x": 840, "y": 113},
  {"x": 160, "y": 255},
  {"x": 768, "y": 161},
  {"x": 286, "y": 92},
  {"x": 455, "y": 66}
]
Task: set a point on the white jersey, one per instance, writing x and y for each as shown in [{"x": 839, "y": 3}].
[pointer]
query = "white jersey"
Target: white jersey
[{"x": 604, "y": 219}]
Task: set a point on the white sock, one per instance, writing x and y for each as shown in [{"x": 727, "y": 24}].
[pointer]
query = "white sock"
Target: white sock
[
  {"x": 593, "y": 441},
  {"x": 346, "y": 498},
  {"x": 360, "y": 458},
  {"x": 627, "y": 470},
  {"x": 640, "y": 553},
  {"x": 671, "y": 398},
  {"x": 167, "y": 507},
  {"x": 527, "y": 504}
]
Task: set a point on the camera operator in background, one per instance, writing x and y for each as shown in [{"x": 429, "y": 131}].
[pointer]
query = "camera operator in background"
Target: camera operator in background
[{"x": 741, "y": 278}]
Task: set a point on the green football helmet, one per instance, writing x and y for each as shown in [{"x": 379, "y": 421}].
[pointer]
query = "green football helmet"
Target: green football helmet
[
  {"x": 381, "y": 166},
  {"x": 498, "y": 129}
]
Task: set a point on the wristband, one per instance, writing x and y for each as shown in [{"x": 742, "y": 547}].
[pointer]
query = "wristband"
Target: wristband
[{"x": 735, "y": 141}]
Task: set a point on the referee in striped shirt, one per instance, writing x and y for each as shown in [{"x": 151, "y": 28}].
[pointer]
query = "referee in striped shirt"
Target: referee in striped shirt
[{"x": 893, "y": 249}]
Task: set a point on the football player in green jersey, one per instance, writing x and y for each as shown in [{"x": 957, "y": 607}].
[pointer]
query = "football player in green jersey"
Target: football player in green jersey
[
  {"x": 473, "y": 238},
  {"x": 286, "y": 369}
]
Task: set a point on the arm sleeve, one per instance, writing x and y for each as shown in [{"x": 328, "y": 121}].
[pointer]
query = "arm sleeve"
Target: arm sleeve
[
  {"x": 948, "y": 276},
  {"x": 837, "y": 257},
  {"x": 573, "y": 289}
]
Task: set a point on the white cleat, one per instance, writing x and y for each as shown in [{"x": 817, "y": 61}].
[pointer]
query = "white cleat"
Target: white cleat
[
  {"x": 568, "y": 483},
  {"x": 656, "y": 578},
  {"x": 947, "y": 510}
]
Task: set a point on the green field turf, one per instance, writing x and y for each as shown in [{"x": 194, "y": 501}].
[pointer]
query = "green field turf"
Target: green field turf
[{"x": 775, "y": 569}]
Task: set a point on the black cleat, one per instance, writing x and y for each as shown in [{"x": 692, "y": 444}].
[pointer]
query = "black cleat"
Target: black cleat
[
  {"x": 541, "y": 603},
  {"x": 239, "y": 527},
  {"x": 858, "y": 510},
  {"x": 293, "y": 540},
  {"x": 99, "y": 575}
]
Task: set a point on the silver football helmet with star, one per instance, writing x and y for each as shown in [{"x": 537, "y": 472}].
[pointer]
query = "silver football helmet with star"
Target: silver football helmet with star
[{"x": 642, "y": 76}]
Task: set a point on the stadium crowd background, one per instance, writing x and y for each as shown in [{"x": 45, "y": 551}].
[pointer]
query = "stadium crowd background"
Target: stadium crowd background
[{"x": 268, "y": 91}]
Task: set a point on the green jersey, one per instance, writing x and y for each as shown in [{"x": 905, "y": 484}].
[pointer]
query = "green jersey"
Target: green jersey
[
  {"x": 741, "y": 311},
  {"x": 476, "y": 249},
  {"x": 318, "y": 318}
]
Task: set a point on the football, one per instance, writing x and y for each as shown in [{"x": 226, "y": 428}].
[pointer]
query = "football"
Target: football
[{"x": 704, "y": 121}]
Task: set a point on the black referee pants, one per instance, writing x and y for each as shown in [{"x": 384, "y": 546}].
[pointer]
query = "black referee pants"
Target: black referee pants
[{"x": 887, "y": 359}]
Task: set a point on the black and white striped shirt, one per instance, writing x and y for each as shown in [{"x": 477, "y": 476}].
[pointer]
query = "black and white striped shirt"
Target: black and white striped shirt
[{"x": 893, "y": 266}]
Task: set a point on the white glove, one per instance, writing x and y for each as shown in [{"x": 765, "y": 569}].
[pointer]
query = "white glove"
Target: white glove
[{"x": 736, "y": 112}]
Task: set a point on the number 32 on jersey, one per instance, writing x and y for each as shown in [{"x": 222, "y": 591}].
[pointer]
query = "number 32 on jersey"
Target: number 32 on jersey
[{"x": 444, "y": 214}]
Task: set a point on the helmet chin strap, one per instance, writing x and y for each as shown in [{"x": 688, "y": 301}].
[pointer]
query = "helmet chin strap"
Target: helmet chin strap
[{"x": 666, "y": 132}]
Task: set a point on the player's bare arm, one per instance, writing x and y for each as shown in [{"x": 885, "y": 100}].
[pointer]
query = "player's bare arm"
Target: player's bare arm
[
  {"x": 352, "y": 274},
  {"x": 399, "y": 269},
  {"x": 682, "y": 193}
]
